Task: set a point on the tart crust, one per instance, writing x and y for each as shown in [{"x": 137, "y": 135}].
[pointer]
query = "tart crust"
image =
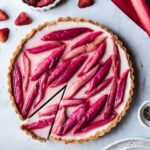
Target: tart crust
[{"x": 113, "y": 123}]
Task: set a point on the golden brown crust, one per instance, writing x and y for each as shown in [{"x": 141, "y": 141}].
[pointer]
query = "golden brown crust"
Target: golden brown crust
[{"x": 18, "y": 50}]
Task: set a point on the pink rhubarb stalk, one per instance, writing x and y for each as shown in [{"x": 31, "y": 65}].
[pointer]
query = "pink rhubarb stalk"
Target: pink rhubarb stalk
[
  {"x": 70, "y": 70},
  {"x": 44, "y": 47},
  {"x": 91, "y": 114},
  {"x": 27, "y": 69},
  {"x": 121, "y": 88},
  {"x": 47, "y": 63},
  {"x": 66, "y": 34}
]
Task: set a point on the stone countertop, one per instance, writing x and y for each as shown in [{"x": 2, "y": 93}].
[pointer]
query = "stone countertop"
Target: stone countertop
[{"x": 105, "y": 12}]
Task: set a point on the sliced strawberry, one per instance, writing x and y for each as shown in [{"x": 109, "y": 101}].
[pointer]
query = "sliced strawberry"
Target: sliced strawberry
[
  {"x": 27, "y": 69},
  {"x": 121, "y": 88},
  {"x": 4, "y": 32},
  {"x": 3, "y": 15},
  {"x": 44, "y": 47},
  {"x": 23, "y": 19},
  {"x": 91, "y": 114},
  {"x": 42, "y": 3},
  {"x": 47, "y": 63},
  {"x": 66, "y": 34},
  {"x": 85, "y": 3}
]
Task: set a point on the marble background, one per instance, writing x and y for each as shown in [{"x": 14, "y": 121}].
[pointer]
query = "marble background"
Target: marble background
[{"x": 104, "y": 11}]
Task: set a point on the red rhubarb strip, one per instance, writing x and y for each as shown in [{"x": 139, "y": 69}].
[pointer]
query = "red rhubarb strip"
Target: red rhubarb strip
[
  {"x": 143, "y": 12},
  {"x": 100, "y": 87},
  {"x": 80, "y": 82},
  {"x": 17, "y": 86},
  {"x": 95, "y": 58},
  {"x": 57, "y": 71},
  {"x": 91, "y": 114},
  {"x": 47, "y": 63},
  {"x": 88, "y": 39},
  {"x": 70, "y": 70},
  {"x": 39, "y": 124},
  {"x": 44, "y": 47},
  {"x": 48, "y": 110},
  {"x": 74, "y": 118},
  {"x": 42, "y": 89},
  {"x": 121, "y": 88},
  {"x": 100, "y": 75},
  {"x": 116, "y": 61},
  {"x": 66, "y": 34},
  {"x": 30, "y": 99},
  {"x": 111, "y": 100},
  {"x": 27, "y": 69},
  {"x": 60, "y": 120},
  {"x": 98, "y": 123}
]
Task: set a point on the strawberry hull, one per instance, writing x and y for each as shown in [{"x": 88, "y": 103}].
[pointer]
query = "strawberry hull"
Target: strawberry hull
[{"x": 67, "y": 34}]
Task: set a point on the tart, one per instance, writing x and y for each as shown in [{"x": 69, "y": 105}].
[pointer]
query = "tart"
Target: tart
[{"x": 70, "y": 80}]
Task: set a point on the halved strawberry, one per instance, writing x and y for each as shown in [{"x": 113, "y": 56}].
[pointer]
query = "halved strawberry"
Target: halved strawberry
[
  {"x": 23, "y": 19},
  {"x": 3, "y": 15},
  {"x": 85, "y": 3},
  {"x": 42, "y": 3},
  {"x": 4, "y": 32}
]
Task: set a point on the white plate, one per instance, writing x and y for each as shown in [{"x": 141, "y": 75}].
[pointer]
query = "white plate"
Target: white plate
[{"x": 130, "y": 144}]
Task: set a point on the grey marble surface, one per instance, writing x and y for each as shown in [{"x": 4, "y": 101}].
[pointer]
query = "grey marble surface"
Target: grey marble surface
[{"x": 104, "y": 11}]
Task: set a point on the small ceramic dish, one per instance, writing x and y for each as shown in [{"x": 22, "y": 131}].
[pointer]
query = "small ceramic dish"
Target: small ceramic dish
[
  {"x": 144, "y": 122},
  {"x": 42, "y": 8}
]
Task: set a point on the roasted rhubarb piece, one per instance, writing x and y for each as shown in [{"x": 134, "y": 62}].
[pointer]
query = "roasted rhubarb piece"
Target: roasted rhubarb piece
[
  {"x": 60, "y": 120},
  {"x": 85, "y": 48},
  {"x": 74, "y": 118},
  {"x": 57, "y": 71},
  {"x": 17, "y": 86},
  {"x": 98, "y": 123},
  {"x": 88, "y": 39},
  {"x": 42, "y": 89},
  {"x": 30, "y": 99},
  {"x": 121, "y": 88},
  {"x": 91, "y": 113},
  {"x": 44, "y": 47},
  {"x": 47, "y": 63},
  {"x": 48, "y": 110},
  {"x": 95, "y": 58},
  {"x": 100, "y": 87},
  {"x": 116, "y": 61},
  {"x": 66, "y": 34},
  {"x": 85, "y": 3},
  {"x": 111, "y": 100},
  {"x": 143, "y": 11},
  {"x": 39, "y": 124},
  {"x": 27, "y": 69},
  {"x": 70, "y": 70},
  {"x": 100, "y": 75},
  {"x": 80, "y": 82}
]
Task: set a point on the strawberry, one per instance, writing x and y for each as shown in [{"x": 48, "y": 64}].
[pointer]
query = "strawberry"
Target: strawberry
[
  {"x": 42, "y": 3},
  {"x": 31, "y": 2},
  {"x": 4, "y": 32},
  {"x": 3, "y": 15},
  {"x": 23, "y": 19},
  {"x": 85, "y": 3}
]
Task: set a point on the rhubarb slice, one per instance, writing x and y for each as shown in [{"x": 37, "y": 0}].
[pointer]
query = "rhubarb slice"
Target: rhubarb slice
[
  {"x": 66, "y": 34},
  {"x": 121, "y": 88},
  {"x": 17, "y": 86},
  {"x": 44, "y": 47},
  {"x": 88, "y": 39},
  {"x": 27, "y": 69},
  {"x": 91, "y": 114},
  {"x": 111, "y": 100},
  {"x": 47, "y": 63},
  {"x": 70, "y": 70},
  {"x": 100, "y": 75},
  {"x": 100, "y": 87}
]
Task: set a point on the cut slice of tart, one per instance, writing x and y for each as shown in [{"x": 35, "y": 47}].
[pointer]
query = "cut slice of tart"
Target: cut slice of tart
[{"x": 88, "y": 61}]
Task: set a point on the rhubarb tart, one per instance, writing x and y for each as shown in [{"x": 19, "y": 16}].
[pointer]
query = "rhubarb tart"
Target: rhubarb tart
[{"x": 70, "y": 80}]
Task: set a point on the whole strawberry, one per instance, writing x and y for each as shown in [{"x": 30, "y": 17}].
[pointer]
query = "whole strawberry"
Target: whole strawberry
[
  {"x": 85, "y": 3},
  {"x": 3, "y": 15},
  {"x": 4, "y": 32},
  {"x": 23, "y": 19}
]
